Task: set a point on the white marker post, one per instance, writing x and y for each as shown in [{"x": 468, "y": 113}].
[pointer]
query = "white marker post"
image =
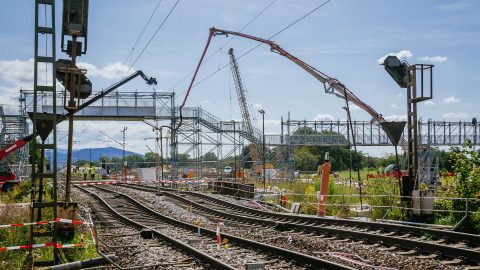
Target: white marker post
[{"x": 218, "y": 234}]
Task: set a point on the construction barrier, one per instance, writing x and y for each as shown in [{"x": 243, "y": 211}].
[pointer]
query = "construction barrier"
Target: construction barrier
[
  {"x": 96, "y": 183},
  {"x": 57, "y": 220},
  {"x": 86, "y": 184},
  {"x": 48, "y": 244}
]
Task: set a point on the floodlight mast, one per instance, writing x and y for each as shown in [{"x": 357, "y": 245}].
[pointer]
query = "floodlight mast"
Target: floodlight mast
[{"x": 331, "y": 85}]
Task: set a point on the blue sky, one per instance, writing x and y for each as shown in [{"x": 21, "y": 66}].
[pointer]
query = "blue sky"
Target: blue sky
[{"x": 344, "y": 39}]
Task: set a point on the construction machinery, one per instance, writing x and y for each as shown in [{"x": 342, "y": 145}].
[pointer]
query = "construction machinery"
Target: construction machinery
[
  {"x": 8, "y": 178},
  {"x": 331, "y": 85},
  {"x": 247, "y": 122}
]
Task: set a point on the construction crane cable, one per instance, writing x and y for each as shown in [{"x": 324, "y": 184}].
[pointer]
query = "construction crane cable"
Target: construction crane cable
[
  {"x": 224, "y": 44},
  {"x": 143, "y": 31}
]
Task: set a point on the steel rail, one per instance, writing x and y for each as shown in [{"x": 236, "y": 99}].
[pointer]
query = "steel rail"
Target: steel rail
[
  {"x": 217, "y": 264},
  {"x": 302, "y": 223},
  {"x": 309, "y": 261},
  {"x": 472, "y": 239}
]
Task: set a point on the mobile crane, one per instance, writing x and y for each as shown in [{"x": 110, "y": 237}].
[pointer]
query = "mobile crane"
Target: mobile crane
[{"x": 7, "y": 176}]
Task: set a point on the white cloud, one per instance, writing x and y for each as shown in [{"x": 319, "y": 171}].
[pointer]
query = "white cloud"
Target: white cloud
[
  {"x": 461, "y": 5},
  {"x": 354, "y": 108},
  {"x": 394, "y": 106},
  {"x": 9, "y": 96},
  {"x": 433, "y": 59},
  {"x": 270, "y": 122},
  {"x": 20, "y": 73},
  {"x": 205, "y": 101},
  {"x": 455, "y": 116},
  {"x": 396, "y": 117},
  {"x": 110, "y": 71},
  {"x": 323, "y": 117},
  {"x": 449, "y": 100},
  {"x": 402, "y": 55},
  {"x": 257, "y": 106},
  {"x": 166, "y": 73},
  {"x": 87, "y": 135},
  {"x": 429, "y": 103},
  {"x": 17, "y": 72}
]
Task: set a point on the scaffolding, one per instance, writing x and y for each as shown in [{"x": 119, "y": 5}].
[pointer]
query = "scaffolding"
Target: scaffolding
[
  {"x": 202, "y": 132},
  {"x": 13, "y": 126}
]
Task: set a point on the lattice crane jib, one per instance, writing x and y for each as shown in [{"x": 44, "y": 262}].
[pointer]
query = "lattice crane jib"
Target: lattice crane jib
[{"x": 247, "y": 122}]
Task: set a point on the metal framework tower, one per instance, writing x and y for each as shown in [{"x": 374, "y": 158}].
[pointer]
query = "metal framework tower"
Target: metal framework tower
[
  {"x": 416, "y": 92},
  {"x": 44, "y": 125}
]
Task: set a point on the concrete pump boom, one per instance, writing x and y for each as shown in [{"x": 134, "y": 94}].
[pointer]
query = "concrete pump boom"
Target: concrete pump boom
[{"x": 331, "y": 85}]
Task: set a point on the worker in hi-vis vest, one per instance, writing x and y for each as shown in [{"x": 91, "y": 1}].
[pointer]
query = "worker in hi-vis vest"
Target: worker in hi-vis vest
[{"x": 92, "y": 172}]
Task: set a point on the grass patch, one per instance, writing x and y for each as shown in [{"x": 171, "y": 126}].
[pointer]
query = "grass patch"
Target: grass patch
[{"x": 14, "y": 236}]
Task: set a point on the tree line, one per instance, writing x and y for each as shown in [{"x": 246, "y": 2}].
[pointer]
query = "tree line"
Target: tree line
[{"x": 305, "y": 158}]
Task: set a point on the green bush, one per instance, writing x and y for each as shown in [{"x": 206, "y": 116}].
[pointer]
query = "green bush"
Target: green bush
[{"x": 465, "y": 184}]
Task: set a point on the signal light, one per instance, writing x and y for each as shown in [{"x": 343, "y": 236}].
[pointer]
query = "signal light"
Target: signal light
[
  {"x": 75, "y": 22},
  {"x": 397, "y": 70}
]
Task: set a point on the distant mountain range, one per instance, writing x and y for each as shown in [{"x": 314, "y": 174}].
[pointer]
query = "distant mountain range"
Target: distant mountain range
[{"x": 93, "y": 154}]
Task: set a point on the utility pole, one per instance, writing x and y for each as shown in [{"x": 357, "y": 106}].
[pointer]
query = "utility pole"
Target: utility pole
[
  {"x": 123, "y": 154},
  {"x": 122, "y": 144},
  {"x": 263, "y": 156},
  {"x": 357, "y": 158},
  {"x": 161, "y": 154}
]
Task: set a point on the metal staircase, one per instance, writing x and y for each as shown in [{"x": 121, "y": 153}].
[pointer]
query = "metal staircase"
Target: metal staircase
[{"x": 216, "y": 124}]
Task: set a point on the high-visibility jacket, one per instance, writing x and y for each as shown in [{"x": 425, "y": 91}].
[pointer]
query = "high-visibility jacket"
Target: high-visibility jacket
[{"x": 92, "y": 170}]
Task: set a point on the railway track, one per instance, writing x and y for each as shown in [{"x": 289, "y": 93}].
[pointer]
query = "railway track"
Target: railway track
[
  {"x": 241, "y": 253},
  {"x": 121, "y": 234},
  {"x": 453, "y": 248}
]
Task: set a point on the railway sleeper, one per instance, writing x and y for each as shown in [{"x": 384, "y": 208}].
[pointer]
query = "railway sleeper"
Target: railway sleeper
[{"x": 306, "y": 260}]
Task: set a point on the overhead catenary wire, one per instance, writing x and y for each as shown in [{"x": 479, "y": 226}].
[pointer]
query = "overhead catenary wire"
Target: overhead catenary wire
[
  {"x": 224, "y": 44},
  {"x": 212, "y": 33},
  {"x": 210, "y": 57},
  {"x": 193, "y": 84},
  {"x": 258, "y": 45},
  {"x": 150, "y": 40},
  {"x": 153, "y": 36},
  {"x": 143, "y": 31}
]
